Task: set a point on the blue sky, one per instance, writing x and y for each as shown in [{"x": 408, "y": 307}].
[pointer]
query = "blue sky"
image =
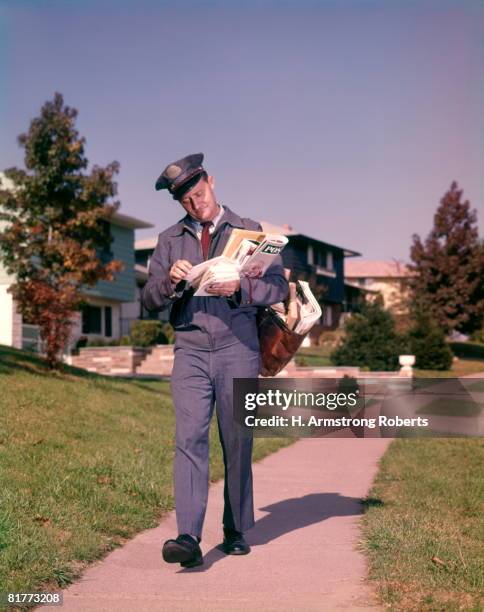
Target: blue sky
[{"x": 348, "y": 120}]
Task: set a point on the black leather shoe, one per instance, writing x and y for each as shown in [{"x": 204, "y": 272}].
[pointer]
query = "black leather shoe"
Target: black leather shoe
[
  {"x": 184, "y": 550},
  {"x": 234, "y": 543}
]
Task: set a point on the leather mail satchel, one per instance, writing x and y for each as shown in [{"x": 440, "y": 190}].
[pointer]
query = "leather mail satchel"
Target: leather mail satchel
[{"x": 278, "y": 344}]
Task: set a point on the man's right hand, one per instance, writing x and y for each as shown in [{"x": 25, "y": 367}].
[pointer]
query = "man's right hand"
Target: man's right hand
[{"x": 179, "y": 270}]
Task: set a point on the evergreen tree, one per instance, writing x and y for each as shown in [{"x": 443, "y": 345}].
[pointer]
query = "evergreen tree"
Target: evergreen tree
[
  {"x": 449, "y": 266},
  {"x": 371, "y": 340},
  {"x": 56, "y": 216},
  {"x": 427, "y": 342}
]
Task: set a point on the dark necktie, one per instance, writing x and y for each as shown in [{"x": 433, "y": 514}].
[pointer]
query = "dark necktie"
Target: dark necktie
[{"x": 206, "y": 238}]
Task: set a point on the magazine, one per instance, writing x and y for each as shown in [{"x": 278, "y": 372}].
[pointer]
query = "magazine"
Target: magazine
[
  {"x": 309, "y": 309},
  {"x": 303, "y": 309},
  {"x": 247, "y": 253}
]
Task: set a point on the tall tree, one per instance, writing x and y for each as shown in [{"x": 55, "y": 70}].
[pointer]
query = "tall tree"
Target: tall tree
[
  {"x": 448, "y": 267},
  {"x": 56, "y": 216}
]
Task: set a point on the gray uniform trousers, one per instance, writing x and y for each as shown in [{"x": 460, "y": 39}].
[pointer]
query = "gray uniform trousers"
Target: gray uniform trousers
[{"x": 200, "y": 380}]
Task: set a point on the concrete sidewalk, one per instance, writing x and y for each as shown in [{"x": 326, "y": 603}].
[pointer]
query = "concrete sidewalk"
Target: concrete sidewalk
[{"x": 303, "y": 557}]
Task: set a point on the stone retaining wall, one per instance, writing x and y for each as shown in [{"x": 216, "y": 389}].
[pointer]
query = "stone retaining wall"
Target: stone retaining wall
[{"x": 111, "y": 360}]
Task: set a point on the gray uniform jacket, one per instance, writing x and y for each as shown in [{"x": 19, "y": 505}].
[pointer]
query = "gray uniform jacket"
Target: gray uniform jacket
[{"x": 208, "y": 323}]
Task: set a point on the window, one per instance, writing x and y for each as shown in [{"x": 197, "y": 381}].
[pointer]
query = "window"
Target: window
[
  {"x": 104, "y": 253},
  {"x": 310, "y": 255},
  {"x": 108, "y": 318},
  {"x": 91, "y": 319},
  {"x": 320, "y": 258}
]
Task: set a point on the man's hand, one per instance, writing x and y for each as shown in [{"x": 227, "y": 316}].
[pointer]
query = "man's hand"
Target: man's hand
[
  {"x": 179, "y": 270},
  {"x": 226, "y": 289}
]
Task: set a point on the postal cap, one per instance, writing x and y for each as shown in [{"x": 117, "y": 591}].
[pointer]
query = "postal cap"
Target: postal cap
[{"x": 179, "y": 176}]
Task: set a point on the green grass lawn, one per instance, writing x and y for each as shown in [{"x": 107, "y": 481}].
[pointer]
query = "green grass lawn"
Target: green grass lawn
[
  {"x": 461, "y": 367},
  {"x": 86, "y": 462},
  {"x": 422, "y": 530},
  {"x": 450, "y": 407},
  {"x": 313, "y": 356}
]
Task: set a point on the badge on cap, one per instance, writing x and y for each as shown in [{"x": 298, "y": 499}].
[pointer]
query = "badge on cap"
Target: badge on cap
[{"x": 172, "y": 172}]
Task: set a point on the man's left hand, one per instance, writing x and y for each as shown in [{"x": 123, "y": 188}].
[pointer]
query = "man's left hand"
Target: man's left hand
[{"x": 226, "y": 289}]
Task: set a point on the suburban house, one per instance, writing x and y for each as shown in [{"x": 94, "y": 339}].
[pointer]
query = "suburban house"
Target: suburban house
[
  {"x": 143, "y": 250},
  {"x": 355, "y": 296},
  {"x": 320, "y": 262},
  {"x": 390, "y": 278},
  {"x": 109, "y": 305}
]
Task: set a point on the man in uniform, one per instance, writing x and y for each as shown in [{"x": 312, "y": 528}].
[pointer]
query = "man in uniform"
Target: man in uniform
[{"x": 216, "y": 341}]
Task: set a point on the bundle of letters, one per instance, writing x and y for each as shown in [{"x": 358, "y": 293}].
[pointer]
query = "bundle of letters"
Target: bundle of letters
[
  {"x": 247, "y": 253},
  {"x": 302, "y": 311}
]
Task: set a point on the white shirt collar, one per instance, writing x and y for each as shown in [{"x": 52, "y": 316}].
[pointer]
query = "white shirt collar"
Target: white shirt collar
[{"x": 198, "y": 226}]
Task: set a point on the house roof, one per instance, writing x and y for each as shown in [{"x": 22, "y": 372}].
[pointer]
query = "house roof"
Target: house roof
[
  {"x": 270, "y": 228},
  {"x": 391, "y": 268},
  {"x": 323, "y": 243},
  {"x": 360, "y": 288},
  {"x": 117, "y": 217},
  {"x": 287, "y": 230},
  {"x": 140, "y": 272},
  {"x": 131, "y": 222},
  {"x": 145, "y": 243}
]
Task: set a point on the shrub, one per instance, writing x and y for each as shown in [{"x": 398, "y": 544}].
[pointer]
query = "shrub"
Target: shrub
[
  {"x": 97, "y": 341},
  {"x": 403, "y": 323},
  {"x": 371, "y": 340},
  {"x": 427, "y": 342},
  {"x": 81, "y": 343},
  {"x": 478, "y": 336},
  {"x": 148, "y": 333},
  {"x": 467, "y": 350},
  {"x": 331, "y": 337},
  {"x": 169, "y": 333}
]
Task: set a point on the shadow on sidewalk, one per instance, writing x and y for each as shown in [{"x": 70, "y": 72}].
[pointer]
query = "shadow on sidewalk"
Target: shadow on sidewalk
[{"x": 288, "y": 515}]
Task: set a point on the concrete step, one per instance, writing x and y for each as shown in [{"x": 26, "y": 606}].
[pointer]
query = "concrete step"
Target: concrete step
[{"x": 159, "y": 361}]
